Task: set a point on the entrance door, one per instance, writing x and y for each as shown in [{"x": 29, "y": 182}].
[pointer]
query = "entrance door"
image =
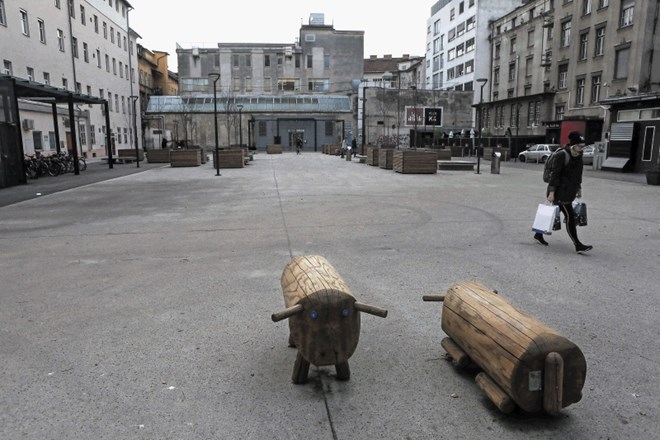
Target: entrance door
[{"x": 294, "y": 135}]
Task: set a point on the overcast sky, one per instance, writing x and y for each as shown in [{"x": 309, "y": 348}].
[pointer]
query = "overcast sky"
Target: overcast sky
[{"x": 390, "y": 28}]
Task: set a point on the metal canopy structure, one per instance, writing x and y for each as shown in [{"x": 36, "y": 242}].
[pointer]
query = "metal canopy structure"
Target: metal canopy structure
[{"x": 30, "y": 90}]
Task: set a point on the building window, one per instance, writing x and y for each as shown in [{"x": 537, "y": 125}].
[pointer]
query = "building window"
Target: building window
[
  {"x": 98, "y": 58},
  {"x": 85, "y": 53},
  {"x": 530, "y": 38},
  {"x": 78, "y": 88},
  {"x": 595, "y": 88},
  {"x": 621, "y": 63},
  {"x": 107, "y": 63},
  {"x": 7, "y": 68},
  {"x": 121, "y": 69},
  {"x": 288, "y": 84},
  {"x": 513, "y": 44},
  {"x": 30, "y": 74},
  {"x": 566, "y": 34},
  {"x": 451, "y": 54},
  {"x": 248, "y": 84},
  {"x": 266, "y": 60},
  {"x": 562, "y": 81},
  {"x": 263, "y": 128},
  {"x": 600, "y": 42},
  {"x": 584, "y": 46},
  {"x": 248, "y": 60},
  {"x": 3, "y": 16},
  {"x": 114, "y": 66},
  {"x": 60, "y": 40},
  {"x": 47, "y": 78},
  {"x": 234, "y": 60},
  {"x": 529, "y": 66},
  {"x": 96, "y": 24},
  {"x": 267, "y": 85},
  {"x": 65, "y": 83},
  {"x": 496, "y": 51},
  {"x": 496, "y": 75},
  {"x": 452, "y": 14},
  {"x": 74, "y": 44},
  {"x": 579, "y": 91},
  {"x": 469, "y": 24},
  {"x": 460, "y": 50},
  {"x": 469, "y": 67},
  {"x": 112, "y": 35},
  {"x": 512, "y": 71},
  {"x": 42, "y": 30},
  {"x": 586, "y": 7},
  {"x": 82, "y": 15},
  {"x": 559, "y": 112},
  {"x": 57, "y": 4},
  {"x": 72, "y": 10},
  {"x": 236, "y": 84},
  {"x": 469, "y": 45},
  {"x": 25, "y": 26},
  {"x": 603, "y": 3},
  {"x": 318, "y": 85},
  {"x": 326, "y": 61},
  {"x": 310, "y": 61},
  {"x": 105, "y": 30},
  {"x": 627, "y": 12}
]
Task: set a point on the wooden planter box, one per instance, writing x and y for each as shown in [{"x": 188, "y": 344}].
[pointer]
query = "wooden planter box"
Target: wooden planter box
[
  {"x": 444, "y": 154},
  {"x": 415, "y": 162},
  {"x": 274, "y": 148},
  {"x": 230, "y": 158},
  {"x": 129, "y": 154},
  {"x": 185, "y": 158},
  {"x": 158, "y": 156},
  {"x": 385, "y": 158},
  {"x": 372, "y": 156},
  {"x": 488, "y": 153}
]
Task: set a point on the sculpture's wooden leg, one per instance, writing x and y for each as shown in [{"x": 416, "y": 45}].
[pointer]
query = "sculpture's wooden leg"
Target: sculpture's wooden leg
[
  {"x": 553, "y": 383},
  {"x": 343, "y": 371},
  {"x": 300, "y": 370},
  {"x": 459, "y": 358},
  {"x": 499, "y": 398}
]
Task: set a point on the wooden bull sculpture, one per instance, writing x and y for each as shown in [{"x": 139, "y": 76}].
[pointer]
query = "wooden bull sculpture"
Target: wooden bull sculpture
[
  {"x": 324, "y": 318},
  {"x": 524, "y": 362}
]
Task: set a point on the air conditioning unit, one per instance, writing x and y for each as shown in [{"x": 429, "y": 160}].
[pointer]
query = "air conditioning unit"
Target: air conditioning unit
[
  {"x": 28, "y": 124},
  {"x": 288, "y": 51}
]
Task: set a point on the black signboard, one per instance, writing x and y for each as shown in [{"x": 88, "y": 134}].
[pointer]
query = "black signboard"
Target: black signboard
[{"x": 432, "y": 116}]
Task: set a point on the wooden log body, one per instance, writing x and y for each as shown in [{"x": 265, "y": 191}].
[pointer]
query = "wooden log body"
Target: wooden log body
[
  {"x": 185, "y": 158},
  {"x": 158, "y": 156},
  {"x": 326, "y": 332},
  {"x": 510, "y": 345}
]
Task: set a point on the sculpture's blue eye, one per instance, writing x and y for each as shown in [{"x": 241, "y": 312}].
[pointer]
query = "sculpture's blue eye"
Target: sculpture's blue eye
[
  {"x": 313, "y": 314},
  {"x": 344, "y": 312}
]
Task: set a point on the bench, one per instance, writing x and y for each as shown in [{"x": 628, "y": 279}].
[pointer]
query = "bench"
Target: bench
[
  {"x": 362, "y": 158},
  {"x": 456, "y": 165}
]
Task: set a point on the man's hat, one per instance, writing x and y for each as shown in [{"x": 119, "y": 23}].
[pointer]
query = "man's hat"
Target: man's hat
[{"x": 575, "y": 137}]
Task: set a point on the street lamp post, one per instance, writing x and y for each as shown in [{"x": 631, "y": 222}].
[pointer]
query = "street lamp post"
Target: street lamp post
[
  {"x": 240, "y": 124},
  {"x": 483, "y": 82},
  {"x": 414, "y": 88},
  {"x": 216, "y": 77},
  {"x": 134, "y": 99}
]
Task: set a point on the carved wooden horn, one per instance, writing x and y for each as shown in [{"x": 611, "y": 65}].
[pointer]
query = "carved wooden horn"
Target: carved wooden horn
[
  {"x": 287, "y": 313},
  {"x": 372, "y": 310}
]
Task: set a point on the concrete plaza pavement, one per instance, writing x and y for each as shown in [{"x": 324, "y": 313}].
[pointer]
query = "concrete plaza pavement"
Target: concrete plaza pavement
[{"x": 139, "y": 307}]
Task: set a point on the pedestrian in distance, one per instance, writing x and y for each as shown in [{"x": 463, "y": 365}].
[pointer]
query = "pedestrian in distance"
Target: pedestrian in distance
[
  {"x": 299, "y": 144},
  {"x": 354, "y": 147},
  {"x": 565, "y": 184}
]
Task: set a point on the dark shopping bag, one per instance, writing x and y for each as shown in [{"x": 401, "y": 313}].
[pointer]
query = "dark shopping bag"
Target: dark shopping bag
[
  {"x": 580, "y": 209},
  {"x": 557, "y": 224}
]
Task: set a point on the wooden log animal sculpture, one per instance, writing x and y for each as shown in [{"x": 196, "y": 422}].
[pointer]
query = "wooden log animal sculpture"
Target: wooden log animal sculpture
[
  {"x": 324, "y": 318},
  {"x": 524, "y": 362}
]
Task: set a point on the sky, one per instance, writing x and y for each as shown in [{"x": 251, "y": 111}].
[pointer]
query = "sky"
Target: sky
[{"x": 387, "y": 29}]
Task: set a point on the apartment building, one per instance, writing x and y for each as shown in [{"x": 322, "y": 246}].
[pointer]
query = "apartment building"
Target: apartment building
[
  {"x": 587, "y": 65},
  {"x": 155, "y": 79},
  {"x": 457, "y": 42},
  {"x": 285, "y": 91},
  {"x": 81, "y": 46}
]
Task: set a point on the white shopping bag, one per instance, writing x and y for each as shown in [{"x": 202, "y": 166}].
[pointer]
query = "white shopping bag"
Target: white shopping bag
[{"x": 545, "y": 218}]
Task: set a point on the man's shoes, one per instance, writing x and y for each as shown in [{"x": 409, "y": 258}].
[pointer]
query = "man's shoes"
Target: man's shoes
[
  {"x": 540, "y": 239},
  {"x": 581, "y": 248}
]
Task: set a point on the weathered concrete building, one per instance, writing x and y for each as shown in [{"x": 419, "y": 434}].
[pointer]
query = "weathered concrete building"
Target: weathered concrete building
[{"x": 283, "y": 91}]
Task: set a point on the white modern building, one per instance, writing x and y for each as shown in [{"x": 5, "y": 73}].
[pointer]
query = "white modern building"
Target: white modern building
[
  {"x": 457, "y": 44},
  {"x": 82, "y": 46}
]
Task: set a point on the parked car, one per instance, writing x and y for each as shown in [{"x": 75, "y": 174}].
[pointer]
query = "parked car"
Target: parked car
[
  {"x": 588, "y": 154},
  {"x": 537, "y": 153}
]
